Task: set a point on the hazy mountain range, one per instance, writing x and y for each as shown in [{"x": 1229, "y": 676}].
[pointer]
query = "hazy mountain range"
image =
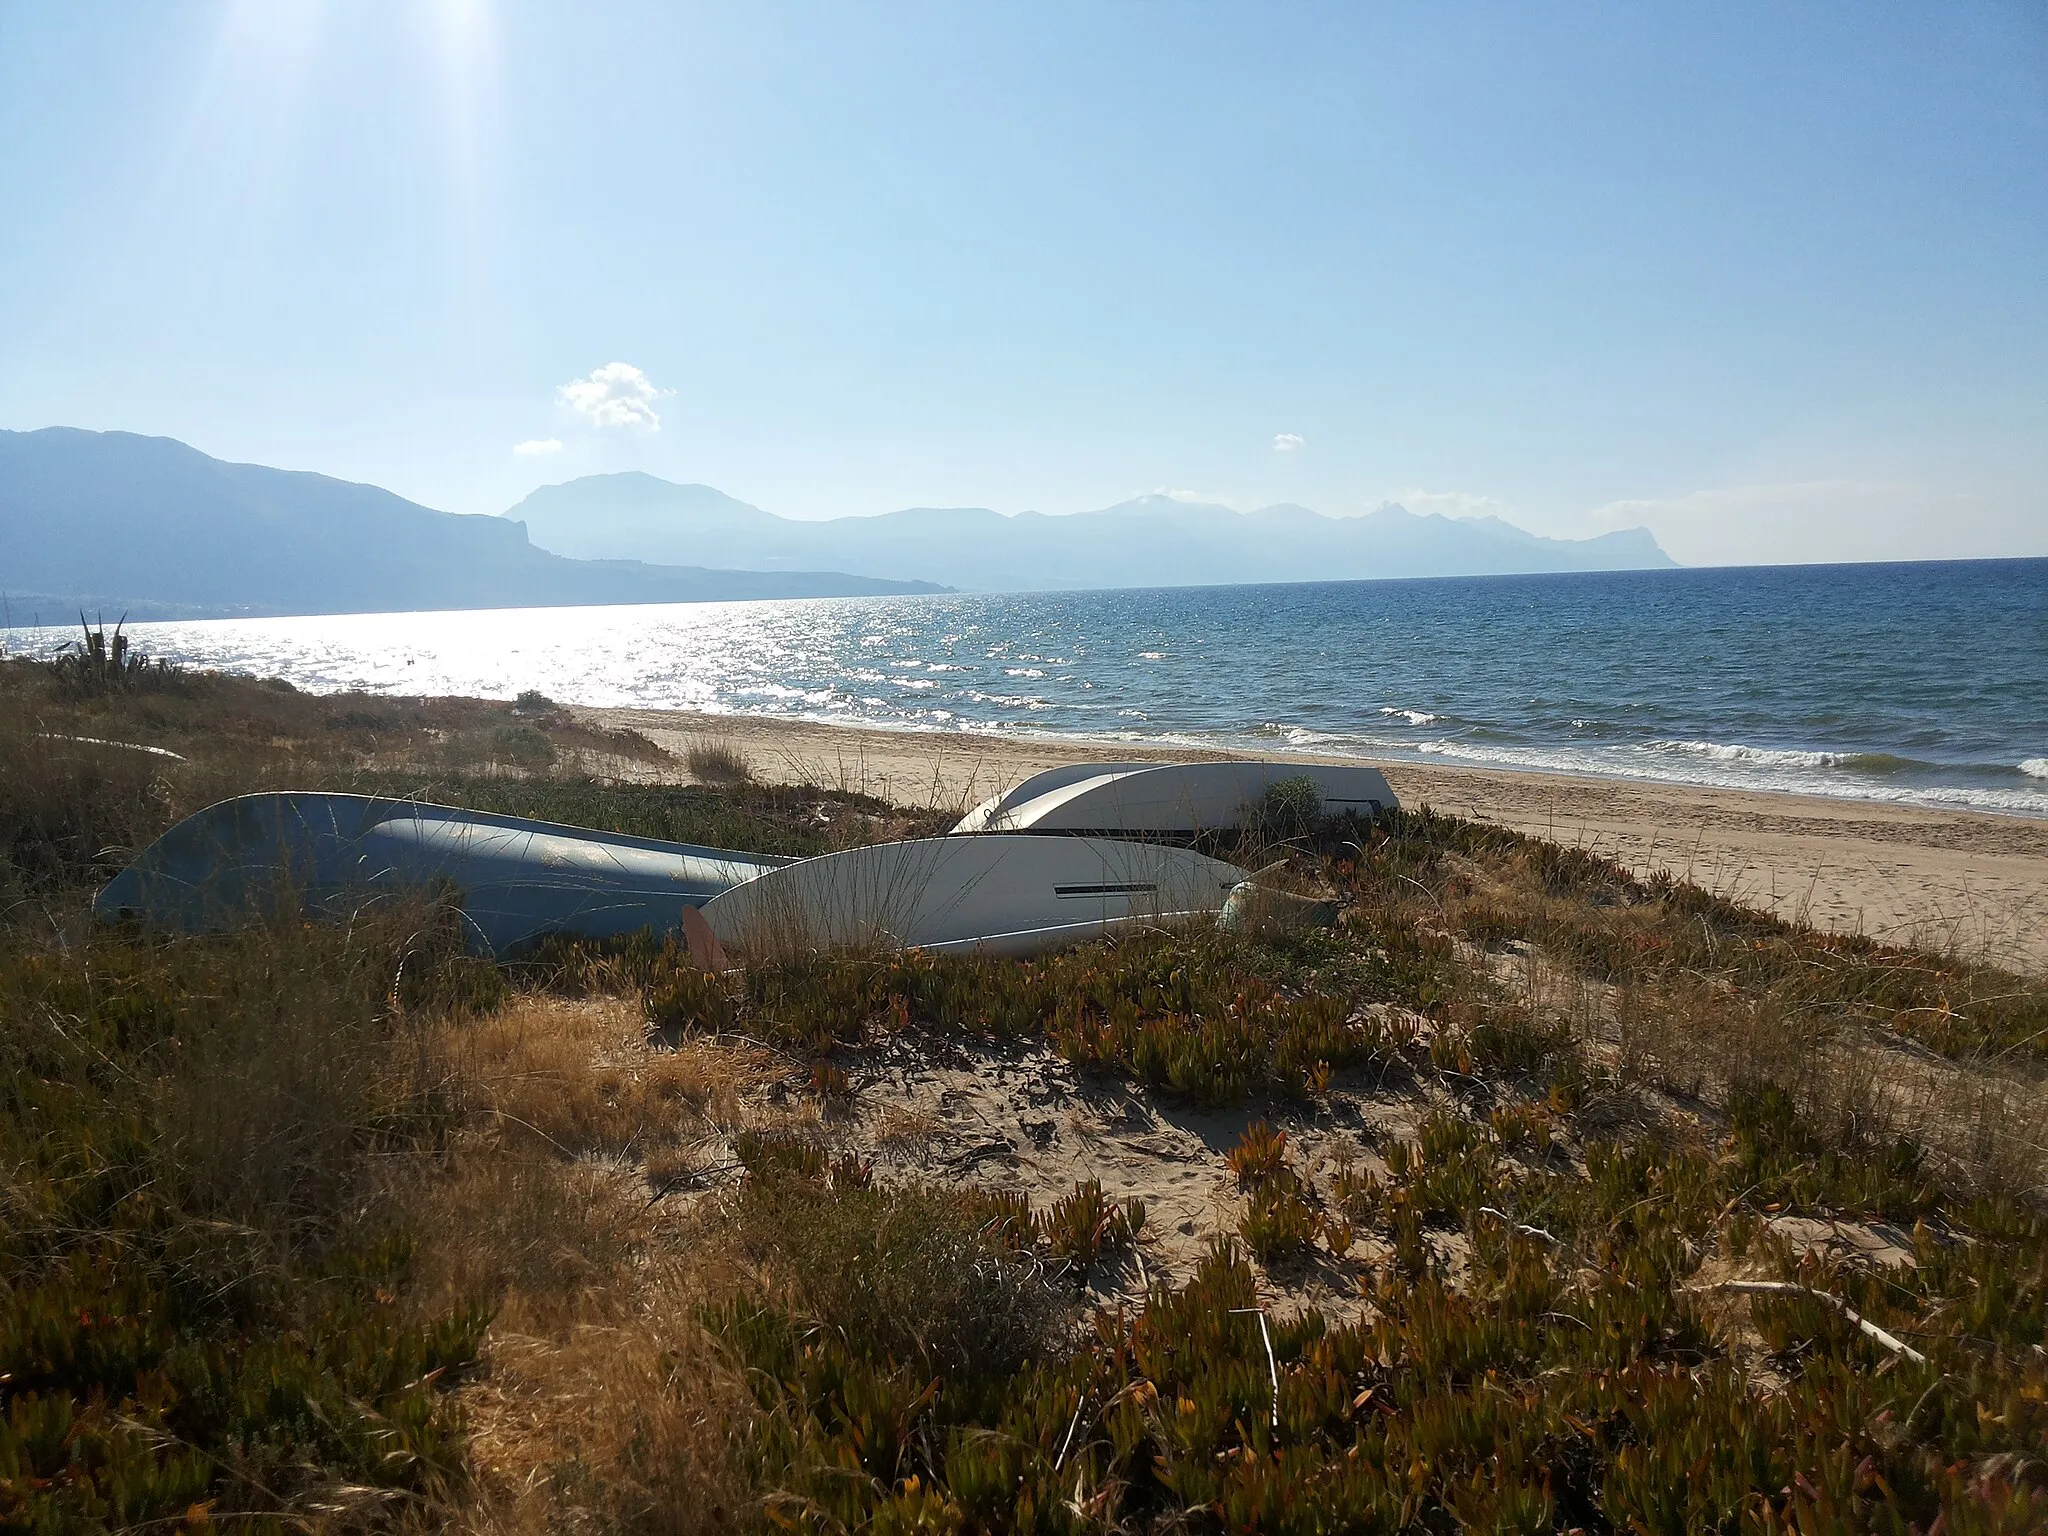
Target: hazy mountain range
[
  {"x": 115, "y": 522},
  {"x": 1153, "y": 541},
  {"x": 112, "y": 521}
]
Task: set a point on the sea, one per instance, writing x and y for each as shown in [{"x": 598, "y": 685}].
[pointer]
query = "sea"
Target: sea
[{"x": 1923, "y": 683}]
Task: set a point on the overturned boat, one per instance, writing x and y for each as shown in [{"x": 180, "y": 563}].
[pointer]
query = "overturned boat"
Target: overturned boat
[
  {"x": 1174, "y": 799},
  {"x": 996, "y": 895},
  {"x": 1001, "y": 890},
  {"x": 515, "y": 880}
]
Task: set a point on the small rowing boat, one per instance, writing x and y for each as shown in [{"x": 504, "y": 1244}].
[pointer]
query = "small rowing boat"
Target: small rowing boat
[
  {"x": 1175, "y": 799},
  {"x": 996, "y": 895},
  {"x": 514, "y": 879}
]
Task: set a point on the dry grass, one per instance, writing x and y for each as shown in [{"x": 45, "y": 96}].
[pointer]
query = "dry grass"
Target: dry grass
[
  {"x": 717, "y": 760},
  {"x": 580, "y": 1077},
  {"x": 604, "y": 1404},
  {"x": 611, "y": 1427},
  {"x": 601, "y": 1402},
  {"x": 904, "y": 1130},
  {"x": 1687, "y": 1037},
  {"x": 605, "y": 751}
]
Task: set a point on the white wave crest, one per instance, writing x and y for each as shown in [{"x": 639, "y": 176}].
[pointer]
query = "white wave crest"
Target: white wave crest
[
  {"x": 1412, "y": 716},
  {"x": 2035, "y": 767},
  {"x": 1296, "y": 735},
  {"x": 1763, "y": 757},
  {"x": 1727, "y": 772}
]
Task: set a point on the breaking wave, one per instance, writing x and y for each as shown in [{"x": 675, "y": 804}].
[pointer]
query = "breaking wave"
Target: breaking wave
[{"x": 1791, "y": 757}]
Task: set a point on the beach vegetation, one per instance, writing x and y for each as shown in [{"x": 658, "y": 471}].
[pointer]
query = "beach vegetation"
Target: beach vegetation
[
  {"x": 199, "y": 1301},
  {"x": 1646, "y": 1211},
  {"x": 97, "y": 664}
]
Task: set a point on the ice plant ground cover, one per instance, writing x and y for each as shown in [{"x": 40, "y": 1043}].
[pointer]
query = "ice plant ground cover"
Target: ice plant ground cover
[{"x": 1534, "y": 1196}]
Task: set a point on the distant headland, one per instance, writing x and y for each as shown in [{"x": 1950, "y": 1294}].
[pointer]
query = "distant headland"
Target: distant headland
[
  {"x": 1150, "y": 541},
  {"x": 158, "y": 529}
]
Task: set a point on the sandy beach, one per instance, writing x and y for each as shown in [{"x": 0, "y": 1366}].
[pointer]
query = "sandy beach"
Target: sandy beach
[{"x": 1959, "y": 880}]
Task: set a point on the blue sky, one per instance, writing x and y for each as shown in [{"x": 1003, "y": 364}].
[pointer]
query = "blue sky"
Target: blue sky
[{"x": 1772, "y": 280}]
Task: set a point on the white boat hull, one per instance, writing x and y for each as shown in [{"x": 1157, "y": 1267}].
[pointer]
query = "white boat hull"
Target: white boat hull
[
  {"x": 993, "y": 895},
  {"x": 1169, "y": 799}
]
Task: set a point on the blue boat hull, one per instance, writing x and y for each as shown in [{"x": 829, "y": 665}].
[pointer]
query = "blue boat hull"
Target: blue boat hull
[{"x": 514, "y": 880}]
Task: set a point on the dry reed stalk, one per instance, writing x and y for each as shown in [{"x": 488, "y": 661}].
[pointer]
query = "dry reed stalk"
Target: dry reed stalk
[
  {"x": 1272, "y": 1365},
  {"x": 1891, "y": 1342}
]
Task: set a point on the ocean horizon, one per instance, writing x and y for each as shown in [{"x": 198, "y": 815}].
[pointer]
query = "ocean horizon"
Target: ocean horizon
[{"x": 1918, "y": 683}]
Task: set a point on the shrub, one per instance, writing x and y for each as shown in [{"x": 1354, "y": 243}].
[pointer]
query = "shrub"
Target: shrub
[
  {"x": 99, "y": 664},
  {"x": 914, "y": 1276},
  {"x": 522, "y": 745},
  {"x": 1278, "y": 1223},
  {"x": 717, "y": 760},
  {"x": 1259, "y": 1157},
  {"x": 1290, "y": 808}
]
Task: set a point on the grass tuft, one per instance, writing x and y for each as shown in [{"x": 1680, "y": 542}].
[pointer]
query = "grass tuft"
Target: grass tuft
[{"x": 717, "y": 760}]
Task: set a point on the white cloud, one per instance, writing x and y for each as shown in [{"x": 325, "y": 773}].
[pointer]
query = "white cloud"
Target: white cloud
[
  {"x": 616, "y": 395},
  {"x": 539, "y": 445},
  {"x": 1287, "y": 442}
]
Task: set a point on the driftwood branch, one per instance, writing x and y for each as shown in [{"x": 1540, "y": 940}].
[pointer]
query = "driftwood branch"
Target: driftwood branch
[
  {"x": 1520, "y": 1226},
  {"x": 1787, "y": 1288}
]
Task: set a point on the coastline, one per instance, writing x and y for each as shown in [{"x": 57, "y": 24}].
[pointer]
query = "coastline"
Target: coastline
[{"x": 1969, "y": 881}]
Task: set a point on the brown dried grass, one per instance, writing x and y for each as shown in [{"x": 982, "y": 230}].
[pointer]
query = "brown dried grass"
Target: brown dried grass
[
  {"x": 590, "y": 1076},
  {"x": 604, "y": 1405}
]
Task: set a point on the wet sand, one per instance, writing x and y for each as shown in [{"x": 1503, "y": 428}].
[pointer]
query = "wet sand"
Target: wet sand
[{"x": 1960, "y": 880}]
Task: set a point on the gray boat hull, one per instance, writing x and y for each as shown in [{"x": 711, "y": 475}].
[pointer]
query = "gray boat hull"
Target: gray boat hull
[{"x": 514, "y": 880}]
